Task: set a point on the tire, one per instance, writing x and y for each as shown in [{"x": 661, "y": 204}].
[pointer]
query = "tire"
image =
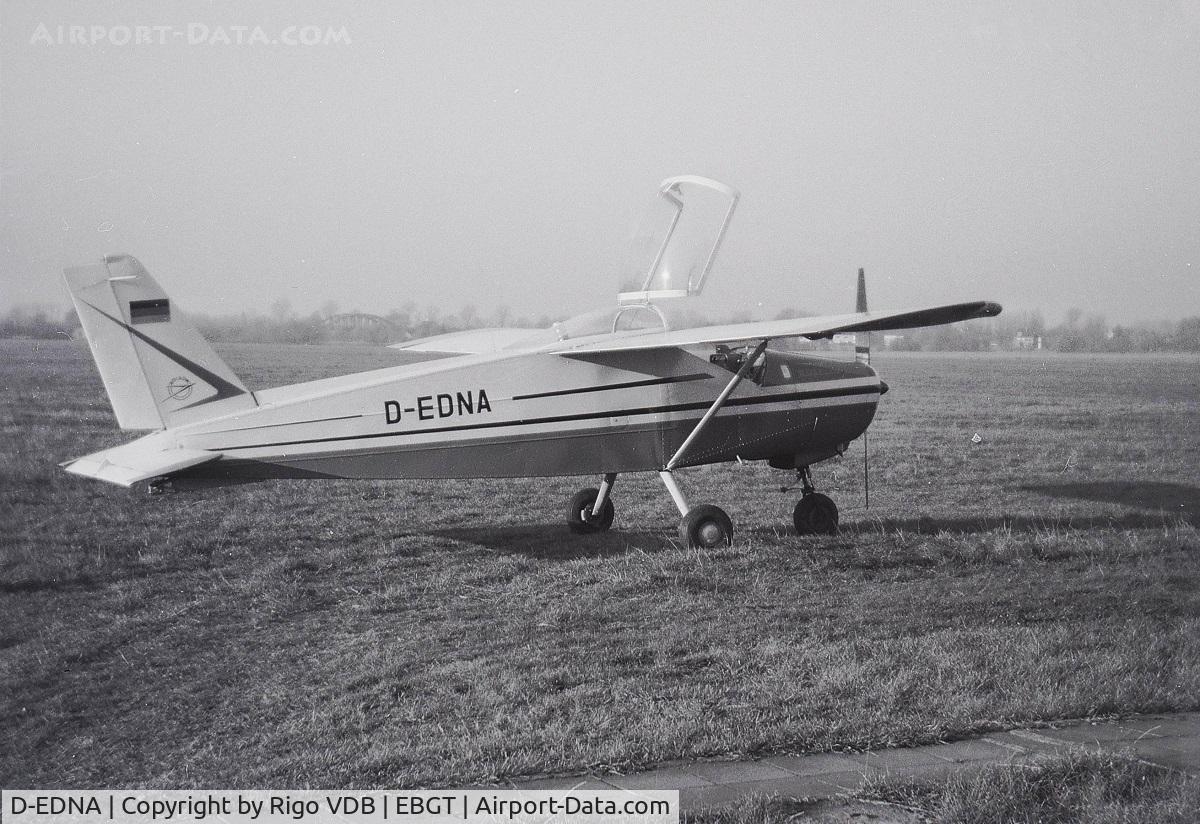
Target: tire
[
  {"x": 579, "y": 514},
  {"x": 816, "y": 514},
  {"x": 706, "y": 527}
]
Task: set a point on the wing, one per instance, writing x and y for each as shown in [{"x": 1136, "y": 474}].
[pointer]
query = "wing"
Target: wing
[
  {"x": 469, "y": 342},
  {"x": 812, "y": 328}
]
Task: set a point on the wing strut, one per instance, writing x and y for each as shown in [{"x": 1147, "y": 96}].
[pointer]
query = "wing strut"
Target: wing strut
[{"x": 716, "y": 407}]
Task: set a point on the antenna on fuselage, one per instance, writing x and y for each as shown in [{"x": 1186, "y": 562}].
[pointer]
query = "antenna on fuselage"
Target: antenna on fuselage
[{"x": 862, "y": 354}]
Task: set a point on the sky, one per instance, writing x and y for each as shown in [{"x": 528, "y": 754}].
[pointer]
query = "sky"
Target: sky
[{"x": 1043, "y": 155}]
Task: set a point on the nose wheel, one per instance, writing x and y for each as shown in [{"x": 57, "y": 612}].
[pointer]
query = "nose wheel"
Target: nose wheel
[{"x": 815, "y": 514}]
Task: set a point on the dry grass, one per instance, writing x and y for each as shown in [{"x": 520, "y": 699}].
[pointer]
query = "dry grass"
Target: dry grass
[
  {"x": 1076, "y": 788},
  {"x": 424, "y": 634}
]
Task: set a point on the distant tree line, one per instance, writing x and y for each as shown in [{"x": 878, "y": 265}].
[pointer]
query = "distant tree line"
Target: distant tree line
[
  {"x": 37, "y": 322},
  {"x": 283, "y": 325},
  {"x": 1016, "y": 330}
]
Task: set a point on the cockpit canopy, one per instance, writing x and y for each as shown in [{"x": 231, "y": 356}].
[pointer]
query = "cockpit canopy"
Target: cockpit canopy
[
  {"x": 676, "y": 252},
  {"x": 684, "y": 234}
]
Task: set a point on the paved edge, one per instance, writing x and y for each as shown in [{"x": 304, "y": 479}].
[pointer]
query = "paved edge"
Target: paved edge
[{"x": 1170, "y": 741}]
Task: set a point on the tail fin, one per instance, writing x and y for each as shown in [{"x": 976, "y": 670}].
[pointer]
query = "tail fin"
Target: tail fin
[
  {"x": 157, "y": 369},
  {"x": 862, "y": 341}
]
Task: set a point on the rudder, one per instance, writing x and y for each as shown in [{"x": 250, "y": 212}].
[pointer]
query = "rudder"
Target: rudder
[{"x": 157, "y": 369}]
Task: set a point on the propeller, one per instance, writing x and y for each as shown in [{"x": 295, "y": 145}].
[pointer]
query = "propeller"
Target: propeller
[{"x": 862, "y": 340}]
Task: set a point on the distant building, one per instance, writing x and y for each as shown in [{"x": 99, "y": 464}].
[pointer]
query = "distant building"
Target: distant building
[
  {"x": 1024, "y": 340},
  {"x": 359, "y": 326},
  {"x": 357, "y": 321}
]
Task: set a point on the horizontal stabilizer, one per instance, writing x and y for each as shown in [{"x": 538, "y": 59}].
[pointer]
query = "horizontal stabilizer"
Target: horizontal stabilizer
[
  {"x": 138, "y": 461},
  {"x": 468, "y": 342}
]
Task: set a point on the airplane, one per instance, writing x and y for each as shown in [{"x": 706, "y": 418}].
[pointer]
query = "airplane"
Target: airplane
[{"x": 624, "y": 389}]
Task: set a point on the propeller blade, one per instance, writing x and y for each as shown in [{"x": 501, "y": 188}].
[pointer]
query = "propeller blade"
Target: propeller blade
[{"x": 862, "y": 340}]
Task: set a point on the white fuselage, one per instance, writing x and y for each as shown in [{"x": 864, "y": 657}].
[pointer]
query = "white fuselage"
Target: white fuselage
[{"x": 537, "y": 415}]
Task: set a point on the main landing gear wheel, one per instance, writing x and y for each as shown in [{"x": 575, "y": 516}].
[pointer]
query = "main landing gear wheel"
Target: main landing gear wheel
[
  {"x": 706, "y": 527},
  {"x": 579, "y": 514},
  {"x": 816, "y": 514}
]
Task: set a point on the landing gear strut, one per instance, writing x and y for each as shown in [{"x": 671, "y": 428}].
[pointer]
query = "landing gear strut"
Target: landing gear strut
[
  {"x": 592, "y": 510},
  {"x": 705, "y": 526},
  {"x": 815, "y": 514}
]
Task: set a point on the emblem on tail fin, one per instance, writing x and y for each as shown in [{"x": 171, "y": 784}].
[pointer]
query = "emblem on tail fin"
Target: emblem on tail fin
[{"x": 179, "y": 389}]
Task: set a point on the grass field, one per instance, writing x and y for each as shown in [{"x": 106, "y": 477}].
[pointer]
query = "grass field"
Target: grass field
[{"x": 328, "y": 633}]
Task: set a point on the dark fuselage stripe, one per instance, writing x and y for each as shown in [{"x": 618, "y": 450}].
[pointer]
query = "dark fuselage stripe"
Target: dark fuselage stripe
[
  {"x": 698, "y": 376},
  {"x": 285, "y": 423},
  {"x": 812, "y": 394}
]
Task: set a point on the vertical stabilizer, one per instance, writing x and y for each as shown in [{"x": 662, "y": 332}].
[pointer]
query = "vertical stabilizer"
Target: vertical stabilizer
[
  {"x": 862, "y": 341},
  {"x": 158, "y": 370}
]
